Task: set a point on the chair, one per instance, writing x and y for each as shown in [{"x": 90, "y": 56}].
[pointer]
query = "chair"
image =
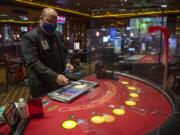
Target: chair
[
  {"x": 10, "y": 69},
  {"x": 175, "y": 78}
]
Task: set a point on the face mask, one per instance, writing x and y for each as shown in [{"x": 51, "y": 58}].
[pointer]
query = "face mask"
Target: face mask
[{"x": 49, "y": 27}]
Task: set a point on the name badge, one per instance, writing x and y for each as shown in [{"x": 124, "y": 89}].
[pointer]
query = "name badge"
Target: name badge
[{"x": 45, "y": 45}]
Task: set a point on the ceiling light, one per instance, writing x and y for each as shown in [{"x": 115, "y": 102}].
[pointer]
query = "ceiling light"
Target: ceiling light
[
  {"x": 103, "y": 29},
  {"x": 131, "y": 34},
  {"x": 128, "y": 28},
  {"x": 97, "y": 33},
  {"x": 164, "y": 6}
]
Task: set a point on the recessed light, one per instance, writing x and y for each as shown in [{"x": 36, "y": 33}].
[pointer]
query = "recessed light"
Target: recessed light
[{"x": 164, "y": 6}]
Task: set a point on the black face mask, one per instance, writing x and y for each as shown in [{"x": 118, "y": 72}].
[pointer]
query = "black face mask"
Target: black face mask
[{"x": 49, "y": 27}]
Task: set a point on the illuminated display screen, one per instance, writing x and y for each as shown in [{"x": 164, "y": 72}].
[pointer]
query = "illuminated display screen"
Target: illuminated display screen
[
  {"x": 113, "y": 33},
  {"x": 61, "y": 19},
  {"x": 24, "y": 29},
  {"x": 172, "y": 45},
  {"x": 76, "y": 46},
  {"x": 71, "y": 91},
  {"x": 131, "y": 49},
  {"x": 105, "y": 39},
  {"x": 141, "y": 25}
]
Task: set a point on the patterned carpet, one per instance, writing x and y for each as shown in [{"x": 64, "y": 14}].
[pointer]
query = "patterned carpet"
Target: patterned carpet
[{"x": 15, "y": 91}]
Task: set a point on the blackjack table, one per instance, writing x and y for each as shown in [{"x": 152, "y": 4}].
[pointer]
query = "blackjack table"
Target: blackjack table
[{"x": 125, "y": 106}]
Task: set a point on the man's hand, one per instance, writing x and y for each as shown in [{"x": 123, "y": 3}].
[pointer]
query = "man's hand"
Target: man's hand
[
  {"x": 69, "y": 67},
  {"x": 62, "y": 80}
]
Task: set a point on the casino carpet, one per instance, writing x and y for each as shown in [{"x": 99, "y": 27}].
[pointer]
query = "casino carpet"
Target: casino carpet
[{"x": 15, "y": 91}]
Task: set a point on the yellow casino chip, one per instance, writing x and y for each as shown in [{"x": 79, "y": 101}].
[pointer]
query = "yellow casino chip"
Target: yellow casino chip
[
  {"x": 97, "y": 119},
  {"x": 69, "y": 124},
  {"x": 133, "y": 95},
  {"x": 131, "y": 88},
  {"x": 119, "y": 111},
  {"x": 108, "y": 118},
  {"x": 130, "y": 103}
]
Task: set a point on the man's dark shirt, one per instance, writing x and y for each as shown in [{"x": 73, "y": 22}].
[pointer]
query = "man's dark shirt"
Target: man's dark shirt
[{"x": 45, "y": 59}]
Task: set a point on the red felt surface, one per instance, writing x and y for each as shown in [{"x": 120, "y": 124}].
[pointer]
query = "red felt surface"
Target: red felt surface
[
  {"x": 153, "y": 59},
  {"x": 149, "y": 59},
  {"x": 5, "y": 129},
  {"x": 151, "y": 111}
]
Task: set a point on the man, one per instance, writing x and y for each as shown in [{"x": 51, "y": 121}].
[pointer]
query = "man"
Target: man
[{"x": 43, "y": 52}]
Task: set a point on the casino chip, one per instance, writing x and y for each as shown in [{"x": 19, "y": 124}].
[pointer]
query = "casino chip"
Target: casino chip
[
  {"x": 119, "y": 111},
  {"x": 131, "y": 88},
  {"x": 69, "y": 124},
  {"x": 125, "y": 82},
  {"x": 133, "y": 95},
  {"x": 97, "y": 119},
  {"x": 109, "y": 118},
  {"x": 130, "y": 103}
]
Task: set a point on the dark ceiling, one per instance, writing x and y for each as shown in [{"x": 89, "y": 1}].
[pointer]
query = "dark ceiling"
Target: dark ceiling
[
  {"x": 105, "y": 7},
  {"x": 101, "y": 6}
]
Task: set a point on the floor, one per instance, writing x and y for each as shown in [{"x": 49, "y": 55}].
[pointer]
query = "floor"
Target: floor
[{"x": 15, "y": 91}]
